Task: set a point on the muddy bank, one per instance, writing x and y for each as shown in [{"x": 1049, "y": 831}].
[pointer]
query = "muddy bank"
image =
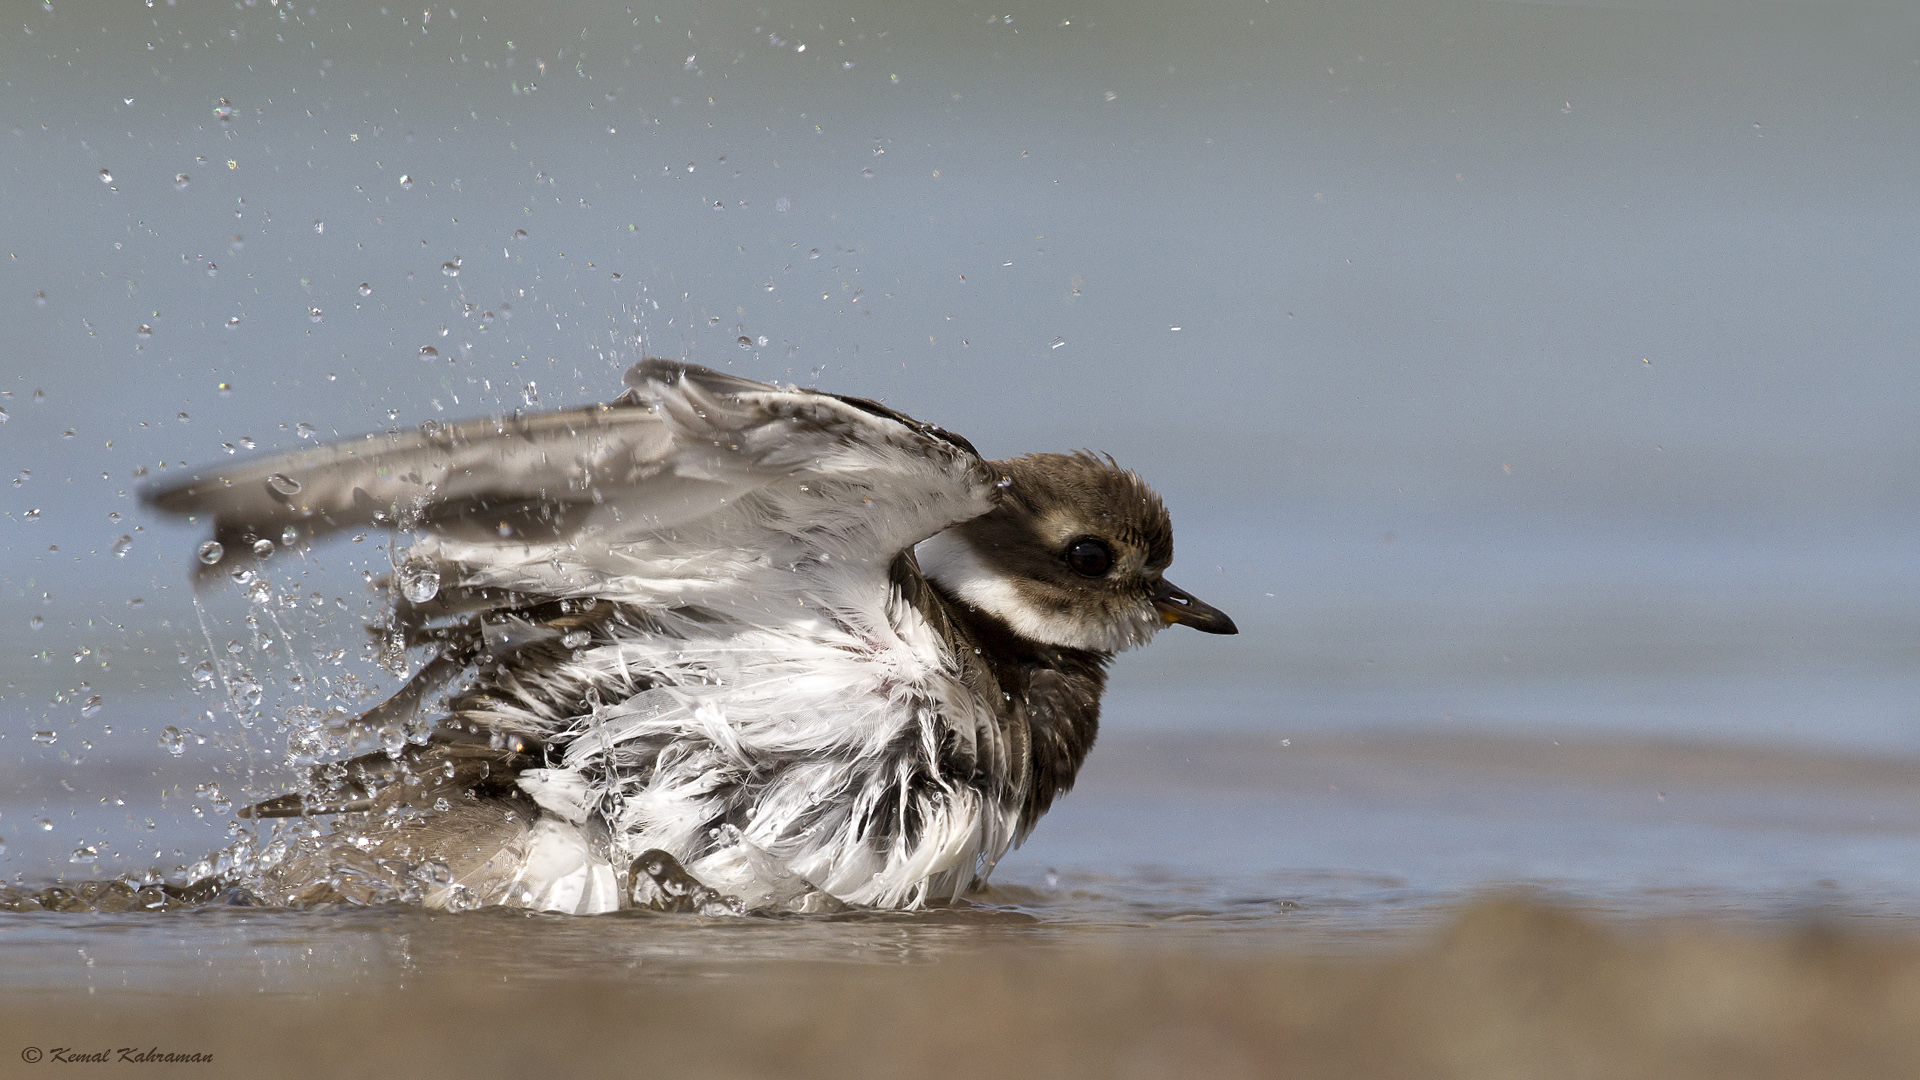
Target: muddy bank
[{"x": 1509, "y": 988}]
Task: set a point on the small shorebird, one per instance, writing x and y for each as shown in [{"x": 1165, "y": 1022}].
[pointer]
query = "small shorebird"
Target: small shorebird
[{"x": 713, "y": 645}]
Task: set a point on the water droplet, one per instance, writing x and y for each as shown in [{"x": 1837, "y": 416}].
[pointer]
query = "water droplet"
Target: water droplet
[
  {"x": 282, "y": 484},
  {"x": 211, "y": 551},
  {"x": 180, "y": 181},
  {"x": 419, "y": 581},
  {"x": 46, "y": 738},
  {"x": 428, "y": 352},
  {"x": 233, "y": 321},
  {"x": 519, "y": 234},
  {"x": 366, "y": 289},
  {"x": 406, "y": 182},
  {"x": 314, "y": 314},
  {"x": 223, "y": 111},
  {"x": 36, "y": 622},
  {"x": 746, "y": 342},
  {"x": 45, "y": 825},
  {"x": 203, "y": 673},
  {"x": 263, "y": 548},
  {"x": 451, "y": 267},
  {"x": 531, "y": 394},
  {"x": 106, "y": 176},
  {"x": 172, "y": 741},
  {"x": 319, "y": 226},
  {"x": 144, "y": 332},
  {"x": 576, "y": 638},
  {"x": 91, "y": 707},
  {"x": 85, "y": 853},
  {"x": 260, "y": 592},
  {"x": 304, "y": 430},
  {"x": 393, "y": 740},
  {"x": 122, "y": 546},
  {"x": 289, "y": 536},
  {"x": 184, "y": 418}
]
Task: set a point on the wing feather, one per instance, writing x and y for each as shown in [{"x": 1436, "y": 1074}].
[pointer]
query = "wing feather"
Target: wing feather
[{"x": 681, "y": 449}]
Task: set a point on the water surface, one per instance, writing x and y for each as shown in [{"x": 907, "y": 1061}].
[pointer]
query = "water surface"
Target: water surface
[{"x": 1320, "y": 843}]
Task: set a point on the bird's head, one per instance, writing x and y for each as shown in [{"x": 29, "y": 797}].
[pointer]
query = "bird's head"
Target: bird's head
[{"x": 1072, "y": 555}]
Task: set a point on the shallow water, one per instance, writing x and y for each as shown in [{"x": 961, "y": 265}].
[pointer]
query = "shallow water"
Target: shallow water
[{"x": 1322, "y": 843}]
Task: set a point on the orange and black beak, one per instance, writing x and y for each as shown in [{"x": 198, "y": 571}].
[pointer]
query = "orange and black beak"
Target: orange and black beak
[{"x": 1178, "y": 606}]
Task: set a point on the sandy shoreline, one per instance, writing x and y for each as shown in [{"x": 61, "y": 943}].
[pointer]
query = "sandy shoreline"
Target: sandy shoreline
[{"x": 1509, "y": 988}]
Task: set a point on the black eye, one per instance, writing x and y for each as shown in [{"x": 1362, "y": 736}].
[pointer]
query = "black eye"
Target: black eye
[{"x": 1090, "y": 557}]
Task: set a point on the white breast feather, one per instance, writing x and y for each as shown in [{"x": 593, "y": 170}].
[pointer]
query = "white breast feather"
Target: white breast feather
[{"x": 831, "y": 696}]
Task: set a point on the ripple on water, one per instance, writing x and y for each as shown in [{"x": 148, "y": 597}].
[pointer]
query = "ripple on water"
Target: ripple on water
[{"x": 167, "y": 936}]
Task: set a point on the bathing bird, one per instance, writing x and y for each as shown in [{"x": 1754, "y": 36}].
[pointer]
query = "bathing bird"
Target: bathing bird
[{"x": 715, "y": 645}]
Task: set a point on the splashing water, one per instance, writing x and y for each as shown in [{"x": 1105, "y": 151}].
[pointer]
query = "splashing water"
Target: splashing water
[{"x": 419, "y": 580}]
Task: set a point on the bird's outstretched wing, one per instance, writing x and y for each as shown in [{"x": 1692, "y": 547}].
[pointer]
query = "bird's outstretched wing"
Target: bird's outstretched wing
[
  {"x": 749, "y": 537},
  {"x": 613, "y": 499}
]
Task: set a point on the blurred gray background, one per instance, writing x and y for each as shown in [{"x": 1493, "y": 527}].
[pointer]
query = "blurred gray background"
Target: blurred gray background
[{"x": 1524, "y": 366}]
